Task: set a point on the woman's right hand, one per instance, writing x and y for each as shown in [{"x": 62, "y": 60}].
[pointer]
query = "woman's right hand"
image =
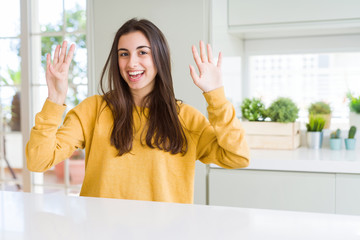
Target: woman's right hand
[{"x": 57, "y": 73}]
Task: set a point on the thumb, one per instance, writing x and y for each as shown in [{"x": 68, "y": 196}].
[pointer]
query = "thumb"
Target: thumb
[{"x": 193, "y": 74}]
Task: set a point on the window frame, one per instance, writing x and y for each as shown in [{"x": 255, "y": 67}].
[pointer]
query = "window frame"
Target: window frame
[{"x": 26, "y": 66}]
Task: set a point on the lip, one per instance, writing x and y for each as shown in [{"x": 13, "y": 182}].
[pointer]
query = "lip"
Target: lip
[{"x": 138, "y": 73}]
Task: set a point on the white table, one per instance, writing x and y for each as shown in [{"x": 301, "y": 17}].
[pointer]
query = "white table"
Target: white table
[{"x": 52, "y": 216}]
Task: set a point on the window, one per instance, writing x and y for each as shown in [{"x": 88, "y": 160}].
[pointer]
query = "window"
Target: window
[
  {"x": 306, "y": 78},
  {"x": 54, "y": 22},
  {"x": 305, "y": 69},
  {"x": 10, "y": 90},
  {"x": 51, "y": 22}
]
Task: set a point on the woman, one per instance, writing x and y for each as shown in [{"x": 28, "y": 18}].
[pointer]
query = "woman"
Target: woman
[{"x": 141, "y": 143}]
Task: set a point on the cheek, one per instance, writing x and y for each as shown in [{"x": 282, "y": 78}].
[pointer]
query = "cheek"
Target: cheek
[
  {"x": 121, "y": 66},
  {"x": 150, "y": 64}
]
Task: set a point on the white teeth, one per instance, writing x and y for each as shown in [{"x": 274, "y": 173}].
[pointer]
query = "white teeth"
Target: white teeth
[{"x": 136, "y": 73}]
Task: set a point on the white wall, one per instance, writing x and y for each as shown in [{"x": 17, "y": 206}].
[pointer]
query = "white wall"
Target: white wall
[{"x": 184, "y": 23}]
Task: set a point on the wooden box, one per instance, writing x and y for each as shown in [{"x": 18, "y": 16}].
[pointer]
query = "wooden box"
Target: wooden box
[{"x": 272, "y": 135}]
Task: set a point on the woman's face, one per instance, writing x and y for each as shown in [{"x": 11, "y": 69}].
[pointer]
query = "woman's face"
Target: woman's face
[{"x": 136, "y": 63}]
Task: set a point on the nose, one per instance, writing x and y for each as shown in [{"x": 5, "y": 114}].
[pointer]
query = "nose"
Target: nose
[{"x": 133, "y": 61}]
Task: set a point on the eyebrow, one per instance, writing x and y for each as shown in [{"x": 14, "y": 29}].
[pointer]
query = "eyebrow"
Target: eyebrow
[{"x": 124, "y": 49}]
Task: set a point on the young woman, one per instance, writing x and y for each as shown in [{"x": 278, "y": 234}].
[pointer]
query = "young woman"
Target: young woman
[{"x": 141, "y": 143}]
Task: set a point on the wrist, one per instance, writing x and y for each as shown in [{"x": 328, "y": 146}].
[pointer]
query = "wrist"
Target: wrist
[{"x": 57, "y": 100}]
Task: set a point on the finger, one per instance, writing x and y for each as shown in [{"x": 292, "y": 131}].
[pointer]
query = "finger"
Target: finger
[
  {"x": 202, "y": 52},
  {"x": 48, "y": 60},
  {"x": 48, "y": 63},
  {"x": 219, "y": 60},
  {"x": 193, "y": 74},
  {"x": 70, "y": 54},
  {"x": 210, "y": 55},
  {"x": 196, "y": 56},
  {"x": 63, "y": 52},
  {"x": 56, "y": 54}
]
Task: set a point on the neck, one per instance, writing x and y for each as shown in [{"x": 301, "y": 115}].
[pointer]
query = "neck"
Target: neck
[{"x": 138, "y": 98}]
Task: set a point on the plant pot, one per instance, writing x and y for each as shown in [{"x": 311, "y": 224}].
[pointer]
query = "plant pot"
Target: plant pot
[
  {"x": 76, "y": 171},
  {"x": 314, "y": 139},
  {"x": 59, "y": 172},
  {"x": 335, "y": 143},
  {"x": 272, "y": 135},
  {"x": 350, "y": 143},
  {"x": 354, "y": 120}
]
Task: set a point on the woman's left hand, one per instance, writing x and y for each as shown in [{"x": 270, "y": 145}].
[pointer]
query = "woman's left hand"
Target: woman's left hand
[{"x": 209, "y": 77}]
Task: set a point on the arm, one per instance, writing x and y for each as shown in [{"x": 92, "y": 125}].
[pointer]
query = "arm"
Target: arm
[
  {"x": 43, "y": 148},
  {"x": 223, "y": 140},
  {"x": 48, "y": 145}
]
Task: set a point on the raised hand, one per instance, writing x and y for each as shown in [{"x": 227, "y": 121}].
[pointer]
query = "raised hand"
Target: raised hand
[
  {"x": 57, "y": 73},
  {"x": 209, "y": 77}
]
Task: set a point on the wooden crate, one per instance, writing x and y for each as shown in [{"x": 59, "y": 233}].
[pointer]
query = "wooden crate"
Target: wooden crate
[{"x": 272, "y": 135}]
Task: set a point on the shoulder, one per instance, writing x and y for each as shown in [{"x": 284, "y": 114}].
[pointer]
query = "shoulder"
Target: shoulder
[
  {"x": 92, "y": 101},
  {"x": 191, "y": 117},
  {"x": 90, "y": 105}
]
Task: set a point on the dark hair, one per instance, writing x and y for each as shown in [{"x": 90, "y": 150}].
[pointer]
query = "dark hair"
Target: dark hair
[{"x": 164, "y": 130}]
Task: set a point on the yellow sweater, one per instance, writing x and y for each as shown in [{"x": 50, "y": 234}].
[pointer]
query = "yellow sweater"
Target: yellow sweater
[{"x": 146, "y": 174}]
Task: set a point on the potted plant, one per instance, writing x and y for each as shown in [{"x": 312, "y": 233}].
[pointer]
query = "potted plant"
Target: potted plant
[
  {"x": 272, "y": 128},
  {"x": 253, "y": 109},
  {"x": 13, "y": 79},
  {"x": 321, "y": 109},
  {"x": 314, "y": 135},
  {"x": 350, "y": 142},
  {"x": 283, "y": 110},
  {"x": 335, "y": 140},
  {"x": 354, "y": 106}
]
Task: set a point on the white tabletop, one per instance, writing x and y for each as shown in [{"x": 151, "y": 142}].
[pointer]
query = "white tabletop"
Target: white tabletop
[
  {"x": 305, "y": 160},
  {"x": 53, "y": 216}
]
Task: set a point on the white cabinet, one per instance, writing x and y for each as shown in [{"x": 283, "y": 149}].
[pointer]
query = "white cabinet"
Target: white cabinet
[
  {"x": 259, "y": 12},
  {"x": 280, "y": 18},
  {"x": 348, "y": 194},
  {"x": 200, "y": 183},
  {"x": 297, "y": 191}
]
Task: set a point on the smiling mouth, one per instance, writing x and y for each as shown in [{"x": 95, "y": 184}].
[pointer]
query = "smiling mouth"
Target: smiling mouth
[{"x": 135, "y": 75}]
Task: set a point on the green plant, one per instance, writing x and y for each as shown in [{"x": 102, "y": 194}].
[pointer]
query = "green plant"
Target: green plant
[
  {"x": 13, "y": 79},
  {"x": 253, "y": 109},
  {"x": 319, "y": 108},
  {"x": 283, "y": 110},
  {"x": 352, "y": 132},
  {"x": 354, "y": 103},
  {"x": 316, "y": 124},
  {"x": 335, "y": 134}
]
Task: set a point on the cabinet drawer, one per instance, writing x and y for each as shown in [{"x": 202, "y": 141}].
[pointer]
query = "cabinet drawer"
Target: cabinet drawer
[{"x": 296, "y": 191}]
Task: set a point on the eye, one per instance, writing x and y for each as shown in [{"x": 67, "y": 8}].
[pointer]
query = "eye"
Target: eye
[
  {"x": 123, "y": 54},
  {"x": 143, "y": 53}
]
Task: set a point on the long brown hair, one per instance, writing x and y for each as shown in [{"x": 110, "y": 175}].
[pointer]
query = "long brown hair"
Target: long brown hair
[{"x": 164, "y": 130}]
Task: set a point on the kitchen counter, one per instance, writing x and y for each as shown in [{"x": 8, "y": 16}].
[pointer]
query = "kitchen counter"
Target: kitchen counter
[
  {"x": 305, "y": 160},
  {"x": 53, "y": 216}
]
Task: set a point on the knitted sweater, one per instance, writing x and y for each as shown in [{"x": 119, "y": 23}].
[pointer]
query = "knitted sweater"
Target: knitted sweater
[{"x": 145, "y": 173}]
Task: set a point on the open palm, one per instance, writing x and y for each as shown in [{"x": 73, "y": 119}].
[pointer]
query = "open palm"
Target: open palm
[
  {"x": 209, "y": 77},
  {"x": 57, "y": 73}
]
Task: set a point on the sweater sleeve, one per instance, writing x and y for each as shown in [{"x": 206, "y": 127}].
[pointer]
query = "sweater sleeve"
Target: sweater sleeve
[
  {"x": 48, "y": 144},
  {"x": 222, "y": 142}
]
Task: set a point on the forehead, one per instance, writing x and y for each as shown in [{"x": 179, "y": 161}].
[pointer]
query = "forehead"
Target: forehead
[{"x": 133, "y": 40}]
